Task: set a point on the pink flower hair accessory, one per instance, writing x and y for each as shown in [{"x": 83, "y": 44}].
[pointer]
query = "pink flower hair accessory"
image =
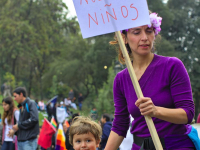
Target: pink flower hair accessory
[{"x": 156, "y": 22}]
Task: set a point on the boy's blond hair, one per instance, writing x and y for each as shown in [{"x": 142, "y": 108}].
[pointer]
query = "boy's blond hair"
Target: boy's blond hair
[{"x": 84, "y": 125}]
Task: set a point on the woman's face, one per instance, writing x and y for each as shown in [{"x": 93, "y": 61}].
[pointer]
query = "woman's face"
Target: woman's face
[
  {"x": 5, "y": 106},
  {"x": 140, "y": 39}
]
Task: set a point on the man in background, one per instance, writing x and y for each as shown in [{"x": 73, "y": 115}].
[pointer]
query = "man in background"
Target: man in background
[
  {"x": 80, "y": 100},
  {"x": 71, "y": 95},
  {"x": 2, "y": 88},
  {"x": 107, "y": 125},
  {"x": 28, "y": 124}
]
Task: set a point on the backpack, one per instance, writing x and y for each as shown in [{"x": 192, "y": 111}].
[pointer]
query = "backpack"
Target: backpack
[{"x": 27, "y": 108}]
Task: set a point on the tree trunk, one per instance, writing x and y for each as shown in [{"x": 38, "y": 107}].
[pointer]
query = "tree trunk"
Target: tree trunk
[
  {"x": 13, "y": 66},
  {"x": 41, "y": 93},
  {"x": 30, "y": 79}
]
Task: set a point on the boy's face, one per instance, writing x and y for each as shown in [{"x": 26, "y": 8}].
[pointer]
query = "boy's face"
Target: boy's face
[{"x": 85, "y": 142}]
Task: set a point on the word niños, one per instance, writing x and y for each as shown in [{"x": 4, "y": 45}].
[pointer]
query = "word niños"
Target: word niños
[{"x": 125, "y": 11}]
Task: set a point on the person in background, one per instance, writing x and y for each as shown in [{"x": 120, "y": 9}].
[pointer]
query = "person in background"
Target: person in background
[
  {"x": 66, "y": 130},
  {"x": 80, "y": 101},
  {"x": 7, "y": 89},
  {"x": 41, "y": 105},
  {"x": 55, "y": 105},
  {"x": 36, "y": 100},
  {"x": 49, "y": 110},
  {"x": 66, "y": 102},
  {"x": 62, "y": 105},
  {"x": 71, "y": 95},
  {"x": 107, "y": 125},
  {"x": 10, "y": 118},
  {"x": 1, "y": 132},
  {"x": 28, "y": 124},
  {"x": 93, "y": 113},
  {"x": 2, "y": 88}
]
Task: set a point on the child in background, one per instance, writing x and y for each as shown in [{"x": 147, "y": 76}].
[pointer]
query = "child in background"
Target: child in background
[
  {"x": 85, "y": 134},
  {"x": 93, "y": 113}
]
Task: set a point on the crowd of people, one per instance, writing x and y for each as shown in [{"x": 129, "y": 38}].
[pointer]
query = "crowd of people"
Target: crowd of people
[{"x": 21, "y": 123}]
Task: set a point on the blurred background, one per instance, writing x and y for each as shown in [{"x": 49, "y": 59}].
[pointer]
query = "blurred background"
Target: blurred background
[{"x": 42, "y": 49}]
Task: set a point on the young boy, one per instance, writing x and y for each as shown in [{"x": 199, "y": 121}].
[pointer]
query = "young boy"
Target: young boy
[{"x": 85, "y": 134}]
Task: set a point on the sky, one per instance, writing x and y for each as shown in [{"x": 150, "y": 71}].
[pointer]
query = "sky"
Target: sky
[
  {"x": 72, "y": 11},
  {"x": 70, "y": 5}
]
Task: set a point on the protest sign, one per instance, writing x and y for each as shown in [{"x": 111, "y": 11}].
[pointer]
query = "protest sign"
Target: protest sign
[
  {"x": 61, "y": 114},
  {"x": 98, "y": 17}
]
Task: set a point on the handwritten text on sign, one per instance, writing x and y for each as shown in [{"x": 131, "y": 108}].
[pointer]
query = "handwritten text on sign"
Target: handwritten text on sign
[{"x": 98, "y": 17}]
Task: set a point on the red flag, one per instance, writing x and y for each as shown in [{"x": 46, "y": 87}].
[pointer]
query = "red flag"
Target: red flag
[
  {"x": 46, "y": 134},
  {"x": 67, "y": 123}
]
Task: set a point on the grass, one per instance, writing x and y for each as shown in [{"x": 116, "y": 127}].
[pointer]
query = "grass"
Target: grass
[{"x": 1, "y": 107}]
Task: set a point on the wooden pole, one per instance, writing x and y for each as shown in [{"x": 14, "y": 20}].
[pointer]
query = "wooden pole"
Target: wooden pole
[{"x": 138, "y": 91}]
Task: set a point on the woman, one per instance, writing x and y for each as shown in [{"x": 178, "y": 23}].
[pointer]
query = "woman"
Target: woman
[
  {"x": 10, "y": 117},
  {"x": 167, "y": 90}
]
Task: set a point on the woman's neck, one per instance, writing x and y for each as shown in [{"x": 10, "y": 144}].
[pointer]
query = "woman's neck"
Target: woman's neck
[{"x": 140, "y": 62}]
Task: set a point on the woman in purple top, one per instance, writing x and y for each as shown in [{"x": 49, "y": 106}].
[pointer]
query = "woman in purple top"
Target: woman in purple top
[{"x": 166, "y": 86}]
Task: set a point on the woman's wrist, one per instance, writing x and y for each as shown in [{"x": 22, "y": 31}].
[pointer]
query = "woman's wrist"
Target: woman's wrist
[{"x": 158, "y": 112}]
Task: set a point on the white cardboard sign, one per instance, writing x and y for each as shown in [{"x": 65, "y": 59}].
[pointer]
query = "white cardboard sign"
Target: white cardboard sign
[{"x": 98, "y": 17}]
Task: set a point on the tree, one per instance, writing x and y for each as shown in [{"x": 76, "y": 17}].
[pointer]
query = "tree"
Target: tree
[
  {"x": 31, "y": 35},
  {"x": 105, "y": 103},
  {"x": 10, "y": 80},
  {"x": 184, "y": 35}
]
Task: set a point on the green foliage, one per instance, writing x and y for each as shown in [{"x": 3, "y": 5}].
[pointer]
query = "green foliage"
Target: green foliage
[
  {"x": 104, "y": 103},
  {"x": 45, "y": 52},
  {"x": 184, "y": 35},
  {"x": 10, "y": 79},
  {"x": 53, "y": 88},
  {"x": 63, "y": 90}
]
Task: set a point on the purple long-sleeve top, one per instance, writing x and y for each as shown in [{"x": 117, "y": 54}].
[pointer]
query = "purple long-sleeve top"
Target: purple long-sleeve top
[{"x": 167, "y": 83}]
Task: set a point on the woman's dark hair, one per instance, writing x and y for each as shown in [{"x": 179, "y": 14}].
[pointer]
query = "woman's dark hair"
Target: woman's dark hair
[
  {"x": 8, "y": 114},
  {"x": 20, "y": 90}
]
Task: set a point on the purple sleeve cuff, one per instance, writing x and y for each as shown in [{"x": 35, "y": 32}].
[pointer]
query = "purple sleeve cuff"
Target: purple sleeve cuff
[
  {"x": 122, "y": 131},
  {"x": 190, "y": 115}
]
